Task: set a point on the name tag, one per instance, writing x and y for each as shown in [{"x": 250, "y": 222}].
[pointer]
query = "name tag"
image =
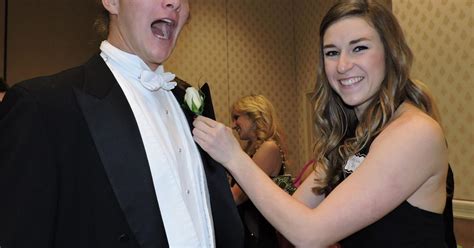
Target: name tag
[{"x": 353, "y": 163}]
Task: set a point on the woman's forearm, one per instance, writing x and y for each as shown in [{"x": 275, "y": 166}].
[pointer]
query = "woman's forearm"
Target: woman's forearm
[{"x": 290, "y": 217}]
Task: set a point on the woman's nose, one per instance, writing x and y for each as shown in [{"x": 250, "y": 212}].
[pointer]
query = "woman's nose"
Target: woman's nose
[{"x": 344, "y": 63}]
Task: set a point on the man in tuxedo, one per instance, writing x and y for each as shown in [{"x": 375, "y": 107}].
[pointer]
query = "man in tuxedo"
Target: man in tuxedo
[{"x": 101, "y": 155}]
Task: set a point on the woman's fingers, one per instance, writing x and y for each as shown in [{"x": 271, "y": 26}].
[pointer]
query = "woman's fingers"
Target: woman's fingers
[
  {"x": 199, "y": 136},
  {"x": 203, "y": 128},
  {"x": 204, "y": 121},
  {"x": 215, "y": 138}
]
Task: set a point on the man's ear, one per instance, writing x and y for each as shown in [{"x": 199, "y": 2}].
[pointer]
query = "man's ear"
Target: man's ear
[{"x": 111, "y": 6}]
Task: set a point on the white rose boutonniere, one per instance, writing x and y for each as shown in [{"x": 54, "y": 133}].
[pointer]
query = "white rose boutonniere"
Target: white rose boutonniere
[{"x": 194, "y": 100}]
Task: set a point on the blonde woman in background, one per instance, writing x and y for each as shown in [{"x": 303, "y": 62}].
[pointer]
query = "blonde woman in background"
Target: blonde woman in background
[{"x": 255, "y": 121}]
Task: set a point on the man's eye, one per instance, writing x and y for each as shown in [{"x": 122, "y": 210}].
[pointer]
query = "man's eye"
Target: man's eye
[
  {"x": 331, "y": 53},
  {"x": 360, "y": 48}
]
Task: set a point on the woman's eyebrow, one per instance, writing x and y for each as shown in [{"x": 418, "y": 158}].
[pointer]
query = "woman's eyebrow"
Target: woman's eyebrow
[
  {"x": 352, "y": 42},
  {"x": 358, "y": 40}
]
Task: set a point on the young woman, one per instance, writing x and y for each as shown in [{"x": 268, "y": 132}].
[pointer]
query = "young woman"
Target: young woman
[
  {"x": 382, "y": 160},
  {"x": 255, "y": 121}
]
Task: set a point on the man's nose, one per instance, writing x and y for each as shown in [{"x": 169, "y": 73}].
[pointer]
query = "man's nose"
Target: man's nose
[{"x": 172, "y": 4}]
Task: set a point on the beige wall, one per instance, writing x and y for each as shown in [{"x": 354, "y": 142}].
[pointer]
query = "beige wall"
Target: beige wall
[
  {"x": 307, "y": 22},
  {"x": 45, "y": 36},
  {"x": 243, "y": 47},
  {"x": 440, "y": 33}
]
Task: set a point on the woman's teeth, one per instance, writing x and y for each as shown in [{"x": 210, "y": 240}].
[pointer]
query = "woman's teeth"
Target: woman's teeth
[{"x": 350, "y": 81}]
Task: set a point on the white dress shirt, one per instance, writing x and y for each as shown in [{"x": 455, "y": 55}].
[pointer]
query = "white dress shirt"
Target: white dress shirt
[{"x": 175, "y": 163}]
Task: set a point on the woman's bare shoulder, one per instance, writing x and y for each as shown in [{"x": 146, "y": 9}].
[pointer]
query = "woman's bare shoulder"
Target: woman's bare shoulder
[
  {"x": 412, "y": 137},
  {"x": 413, "y": 124},
  {"x": 270, "y": 144}
]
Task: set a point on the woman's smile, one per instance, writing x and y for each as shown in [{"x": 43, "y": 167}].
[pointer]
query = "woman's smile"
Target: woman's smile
[{"x": 350, "y": 81}]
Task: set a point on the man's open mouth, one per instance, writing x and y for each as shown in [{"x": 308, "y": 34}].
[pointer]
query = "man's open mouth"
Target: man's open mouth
[{"x": 163, "y": 28}]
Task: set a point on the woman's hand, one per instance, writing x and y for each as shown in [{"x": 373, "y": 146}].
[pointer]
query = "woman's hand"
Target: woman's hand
[{"x": 217, "y": 140}]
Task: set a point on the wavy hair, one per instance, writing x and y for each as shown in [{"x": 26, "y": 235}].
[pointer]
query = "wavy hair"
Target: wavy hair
[
  {"x": 339, "y": 133},
  {"x": 261, "y": 111}
]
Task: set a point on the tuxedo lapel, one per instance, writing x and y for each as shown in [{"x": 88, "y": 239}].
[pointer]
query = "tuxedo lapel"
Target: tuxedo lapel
[
  {"x": 227, "y": 226},
  {"x": 120, "y": 147},
  {"x": 208, "y": 106},
  {"x": 179, "y": 93}
]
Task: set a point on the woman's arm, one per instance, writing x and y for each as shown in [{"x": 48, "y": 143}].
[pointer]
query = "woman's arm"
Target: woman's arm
[
  {"x": 305, "y": 193},
  {"x": 399, "y": 166},
  {"x": 267, "y": 157}
]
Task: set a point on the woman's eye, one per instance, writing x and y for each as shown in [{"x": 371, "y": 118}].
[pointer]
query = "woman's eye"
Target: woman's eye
[
  {"x": 360, "y": 48},
  {"x": 330, "y": 53}
]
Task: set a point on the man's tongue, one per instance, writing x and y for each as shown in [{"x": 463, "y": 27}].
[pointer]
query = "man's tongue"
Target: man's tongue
[{"x": 161, "y": 29}]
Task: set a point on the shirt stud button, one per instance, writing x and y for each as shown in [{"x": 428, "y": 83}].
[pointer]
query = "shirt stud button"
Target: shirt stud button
[{"x": 124, "y": 238}]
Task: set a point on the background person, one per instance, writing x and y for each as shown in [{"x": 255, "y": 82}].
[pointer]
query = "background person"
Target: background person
[
  {"x": 255, "y": 121},
  {"x": 382, "y": 160}
]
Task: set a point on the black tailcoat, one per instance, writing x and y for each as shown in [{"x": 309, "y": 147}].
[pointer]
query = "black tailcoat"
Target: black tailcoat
[{"x": 74, "y": 172}]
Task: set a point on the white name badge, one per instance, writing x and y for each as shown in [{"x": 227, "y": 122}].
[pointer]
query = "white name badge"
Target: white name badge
[{"x": 353, "y": 163}]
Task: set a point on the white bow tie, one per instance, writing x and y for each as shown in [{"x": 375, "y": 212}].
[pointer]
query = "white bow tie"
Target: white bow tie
[{"x": 155, "y": 80}]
